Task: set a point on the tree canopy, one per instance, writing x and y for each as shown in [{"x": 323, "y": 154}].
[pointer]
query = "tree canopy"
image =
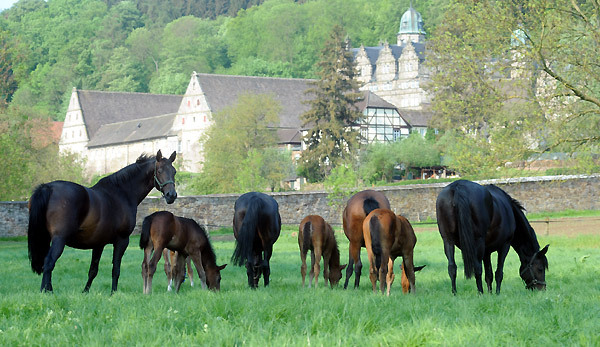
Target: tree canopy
[
  {"x": 241, "y": 148},
  {"x": 330, "y": 139}
]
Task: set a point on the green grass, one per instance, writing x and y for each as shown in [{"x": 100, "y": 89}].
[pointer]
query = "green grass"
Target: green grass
[{"x": 567, "y": 313}]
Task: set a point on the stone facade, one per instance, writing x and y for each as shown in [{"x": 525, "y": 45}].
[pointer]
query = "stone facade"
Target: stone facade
[
  {"x": 396, "y": 73},
  {"x": 416, "y": 202}
]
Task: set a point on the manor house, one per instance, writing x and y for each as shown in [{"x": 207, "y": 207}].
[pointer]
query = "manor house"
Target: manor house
[{"x": 111, "y": 129}]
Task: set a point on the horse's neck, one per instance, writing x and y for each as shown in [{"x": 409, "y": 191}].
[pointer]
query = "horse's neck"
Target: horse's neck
[
  {"x": 334, "y": 260},
  {"x": 139, "y": 186},
  {"x": 524, "y": 241}
]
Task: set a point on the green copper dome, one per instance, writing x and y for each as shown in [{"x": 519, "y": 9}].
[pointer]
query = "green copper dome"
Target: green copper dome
[{"x": 411, "y": 22}]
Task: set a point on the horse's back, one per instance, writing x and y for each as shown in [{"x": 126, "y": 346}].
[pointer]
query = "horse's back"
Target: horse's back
[
  {"x": 504, "y": 218},
  {"x": 463, "y": 197},
  {"x": 357, "y": 209},
  {"x": 316, "y": 232},
  {"x": 405, "y": 237},
  {"x": 259, "y": 208},
  {"x": 68, "y": 205},
  {"x": 380, "y": 227}
]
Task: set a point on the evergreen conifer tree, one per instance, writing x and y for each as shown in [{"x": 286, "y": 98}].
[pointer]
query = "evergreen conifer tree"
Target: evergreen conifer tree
[{"x": 330, "y": 139}]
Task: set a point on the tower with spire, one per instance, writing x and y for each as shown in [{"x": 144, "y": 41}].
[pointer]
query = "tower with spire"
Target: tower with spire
[{"x": 396, "y": 73}]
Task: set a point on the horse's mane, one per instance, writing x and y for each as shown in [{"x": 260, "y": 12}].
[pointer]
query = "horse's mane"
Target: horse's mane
[
  {"x": 125, "y": 174},
  {"x": 211, "y": 252},
  {"x": 519, "y": 213}
]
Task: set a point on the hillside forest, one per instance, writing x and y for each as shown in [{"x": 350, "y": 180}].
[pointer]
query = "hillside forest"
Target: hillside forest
[{"x": 49, "y": 47}]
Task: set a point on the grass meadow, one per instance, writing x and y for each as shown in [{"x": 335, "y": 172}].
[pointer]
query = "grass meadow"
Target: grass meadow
[{"x": 567, "y": 313}]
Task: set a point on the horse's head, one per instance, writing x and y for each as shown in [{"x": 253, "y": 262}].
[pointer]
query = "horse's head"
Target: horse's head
[
  {"x": 164, "y": 176},
  {"x": 335, "y": 275},
  {"x": 213, "y": 277},
  {"x": 534, "y": 272}
]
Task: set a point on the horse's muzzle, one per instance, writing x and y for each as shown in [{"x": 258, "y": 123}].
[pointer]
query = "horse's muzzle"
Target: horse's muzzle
[{"x": 170, "y": 196}]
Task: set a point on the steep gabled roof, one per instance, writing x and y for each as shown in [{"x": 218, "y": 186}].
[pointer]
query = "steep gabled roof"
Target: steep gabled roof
[
  {"x": 371, "y": 99},
  {"x": 222, "y": 91},
  {"x": 416, "y": 118},
  {"x": 373, "y": 52},
  {"x": 133, "y": 130},
  {"x": 100, "y": 108}
]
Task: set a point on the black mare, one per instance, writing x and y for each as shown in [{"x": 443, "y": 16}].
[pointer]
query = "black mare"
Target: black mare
[
  {"x": 484, "y": 219},
  {"x": 64, "y": 213},
  {"x": 256, "y": 226}
]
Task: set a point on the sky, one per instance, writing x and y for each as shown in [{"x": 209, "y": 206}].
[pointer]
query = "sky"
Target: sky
[{"x": 4, "y": 4}]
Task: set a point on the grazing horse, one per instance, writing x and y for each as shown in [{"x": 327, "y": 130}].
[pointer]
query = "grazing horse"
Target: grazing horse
[
  {"x": 357, "y": 209},
  {"x": 162, "y": 230},
  {"x": 484, "y": 219},
  {"x": 388, "y": 236},
  {"x": 256, "y": 227},
  {"x": 317, "y": 236},
  {"x": 170, "y": 258},
  {"x": 67, "y": 214}
]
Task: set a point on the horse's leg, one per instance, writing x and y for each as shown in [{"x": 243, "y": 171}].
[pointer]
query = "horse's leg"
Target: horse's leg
[
  {"x": 326, "y": 260},
  {"x": 315, "y": 265},
  {"x": 390, "y": 275},
  {"x": 250, "y": 269},
  {"x": 502, "y": 252},
  {"x": 349, "y": 270},
  {"x": 355, "y": 254},
  {"x": 197, "y": 259},
  {"x": 96, "y": 254},
  {"x": 56, "y": 249},
  {"x": 409, "y": 271},
  {"x": 303, "y": 266},
  {"x": 119, "y": 249},
  {"x": 145, "y": 265},
  {"x": 178, "y": 272},
  {"x": 373, "y": 271},
  {"x": 151, "y": 266},
  {"x": 383, "y": 272},
  {"x": 449, "y": 250},
  {"x": 168, "y": 269},
  {"x": 266, "y": 268},
  {"x": 487, "y": 266},
  {"x": 479, "y": 266},
  {"x": 190, "y": 270}
]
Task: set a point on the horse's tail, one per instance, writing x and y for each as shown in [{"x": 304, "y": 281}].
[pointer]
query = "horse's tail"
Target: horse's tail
[
  {"x": 38, "y": 236},
  {"x": 375, "y": 230},
  {"x": 307, "y": 236},
  {"x": 369, "y": 205},
  {"x": 247, "y": 233},
  {"x": 145, "y": 235},
  {"x": 466, "y": 231}
]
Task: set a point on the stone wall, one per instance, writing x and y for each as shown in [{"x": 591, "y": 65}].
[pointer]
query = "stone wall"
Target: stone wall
[{"x": 416, "y": 202}]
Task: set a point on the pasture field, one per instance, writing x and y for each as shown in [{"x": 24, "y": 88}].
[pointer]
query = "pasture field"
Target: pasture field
[{"x": 567, "y": 313}]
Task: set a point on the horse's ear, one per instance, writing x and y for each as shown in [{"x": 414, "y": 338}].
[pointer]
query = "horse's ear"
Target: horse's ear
[
  {"x": 158, "y": 155},
  {"x": 544, "y": 250},
  {"x": 419, "y": 268},
  {"x": 343, "y": 267},
  {"x": 221, "y": 267},
  {"x": 173, "y": 156}
]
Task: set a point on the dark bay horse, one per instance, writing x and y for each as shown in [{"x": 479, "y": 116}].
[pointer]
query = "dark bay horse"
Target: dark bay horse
[
  {"x": 357, "y": 209},
  {"x": 256, "y": 226},
  {"x": 67, "y": 214},
  {"x": 162, "y": 230},
  {"x": 387, "y": 237},
  {"x": 316, "y": 235},
  {"x": 170, "y": 258},
  {"x": 484, "y": 219}
]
